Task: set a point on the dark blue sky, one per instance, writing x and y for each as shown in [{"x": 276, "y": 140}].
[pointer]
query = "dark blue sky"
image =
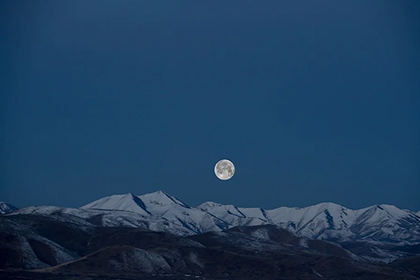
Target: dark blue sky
[{"x": 313, "y": 101}]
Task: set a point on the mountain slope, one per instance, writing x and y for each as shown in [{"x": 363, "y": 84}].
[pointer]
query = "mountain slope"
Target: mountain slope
[
  {"x": 125, "y": 202},
  {"x": 36, "y": 241},
  {"x": 88, "y": 218},
  {"x": 386, "y": 223},
  {"x": 6, "y": 208},
  {"x": 260, "y": 252}
]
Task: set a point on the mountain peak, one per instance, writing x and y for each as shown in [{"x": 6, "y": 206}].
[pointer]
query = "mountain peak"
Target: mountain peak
[
  {"x": 156, "y": 202},
  {"x": 209, "y": 205},
  {"x": 124, "y": 202},
  {"x": 390, "y": 211},
  {"x": 328, "y": 205},
  {"x": 161, "y": 199}
]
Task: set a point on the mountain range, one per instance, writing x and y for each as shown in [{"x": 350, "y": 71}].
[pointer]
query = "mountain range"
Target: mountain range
[
  {"x": 47, "y": 237},
  {"x": 322, "y": 221}
]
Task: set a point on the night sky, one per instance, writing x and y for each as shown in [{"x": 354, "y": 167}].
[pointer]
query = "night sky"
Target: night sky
[{"x": 313, "y": 101}]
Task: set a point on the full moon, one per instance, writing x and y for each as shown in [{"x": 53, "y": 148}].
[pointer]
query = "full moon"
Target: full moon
[{"x": 224, "y": 169}]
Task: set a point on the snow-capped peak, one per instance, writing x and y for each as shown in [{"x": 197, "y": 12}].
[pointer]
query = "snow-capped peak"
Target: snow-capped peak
[
  {"x": 6, "y": 208},
  {"x": 376, "y": 213},
  {"x": 160, "y": 199},
  {"x": 209, "y": 205},
  {"x": 152, "y": 203},
  {"x": 163, "y": 205},
  {"x": 124, "y": 202}
]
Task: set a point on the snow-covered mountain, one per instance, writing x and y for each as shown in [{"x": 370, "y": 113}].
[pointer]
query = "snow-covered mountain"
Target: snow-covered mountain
[
  {"x": 6, "y": 208},
  {"x": 329, "y": 221},
  {"x": 162, "y": 207},
  {"x": 371, "y": 230},
  {"x": 322, "y": 221}
]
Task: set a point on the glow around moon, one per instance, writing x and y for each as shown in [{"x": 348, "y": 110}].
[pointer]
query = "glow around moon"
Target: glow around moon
[{"x": 224, "y": 169}]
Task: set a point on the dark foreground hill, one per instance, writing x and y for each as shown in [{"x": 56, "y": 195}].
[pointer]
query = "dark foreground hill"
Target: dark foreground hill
[{"x": 42, "y": 247}]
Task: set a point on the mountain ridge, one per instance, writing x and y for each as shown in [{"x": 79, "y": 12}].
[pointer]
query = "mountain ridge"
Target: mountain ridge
[
  {"x": 321, "y": 221},
  {"x": 379, "y": 232}
]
